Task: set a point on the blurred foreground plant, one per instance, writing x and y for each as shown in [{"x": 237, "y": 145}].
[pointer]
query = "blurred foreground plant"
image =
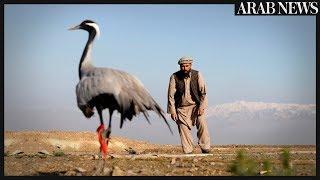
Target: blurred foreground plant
[
  {"x": 243, "y": 166},
  {"x": 287, "y": 169}
]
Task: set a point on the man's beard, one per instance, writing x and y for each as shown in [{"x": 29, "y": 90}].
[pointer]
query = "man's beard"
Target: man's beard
[{"x": 186, "y": 73}]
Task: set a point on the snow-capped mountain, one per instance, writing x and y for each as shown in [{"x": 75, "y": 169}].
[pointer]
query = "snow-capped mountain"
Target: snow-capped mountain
[
  {"x": 251, "y": 109},
  {"x": 266, "y": 123}
]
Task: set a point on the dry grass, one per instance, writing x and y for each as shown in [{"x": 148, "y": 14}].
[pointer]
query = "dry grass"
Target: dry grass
[{"x": 68, "y": 159}]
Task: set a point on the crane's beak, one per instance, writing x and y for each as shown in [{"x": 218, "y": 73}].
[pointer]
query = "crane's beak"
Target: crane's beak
[{"x": 74, "y": 27}]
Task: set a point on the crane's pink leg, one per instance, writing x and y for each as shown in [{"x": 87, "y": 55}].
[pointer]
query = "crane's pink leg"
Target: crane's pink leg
[{"x": 103, "y": 144}]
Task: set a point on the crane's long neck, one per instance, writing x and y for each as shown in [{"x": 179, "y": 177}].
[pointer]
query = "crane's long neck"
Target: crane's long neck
[{"x": 85, "y": 61}]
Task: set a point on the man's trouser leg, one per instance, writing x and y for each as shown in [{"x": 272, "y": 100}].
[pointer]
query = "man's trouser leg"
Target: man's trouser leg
[
  {"x": 186, "y": 137},
  {"x": 203, "y": 133}
]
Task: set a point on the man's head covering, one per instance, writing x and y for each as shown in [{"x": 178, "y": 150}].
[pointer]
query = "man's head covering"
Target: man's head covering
[{"x": 185, "y": 59}]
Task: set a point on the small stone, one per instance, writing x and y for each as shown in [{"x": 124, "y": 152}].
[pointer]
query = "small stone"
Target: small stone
[
  {"x": 79, "y": 169},
  {"x": 117, "y": 171},
  {"x": 17, "y": 152},
  {"x": 95, "y": 157},
  {"x": 87, "y": 157},
  {"x": 262, "y": 172},
  {"x": 131, "y": 173},
  {"x": 143, "y": 172},
  {"x": 195, "y": 160},
  {"x": 44, "y": 152},
  {"x": 106, "y": 171},
  {"x": 131, "y": 151},
  {"x": 212, "y": 163},
  {"x": 70, "y": 173},
  {"x": 173, "y": 161}
]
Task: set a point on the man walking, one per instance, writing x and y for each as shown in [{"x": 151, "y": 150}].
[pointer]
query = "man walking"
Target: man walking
[{"x": 187, "y": 101}]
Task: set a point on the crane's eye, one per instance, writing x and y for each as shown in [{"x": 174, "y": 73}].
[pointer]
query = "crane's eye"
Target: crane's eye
[{"x": 85, "y": 22}]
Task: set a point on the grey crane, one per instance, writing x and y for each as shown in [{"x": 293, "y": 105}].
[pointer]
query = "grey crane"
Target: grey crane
[{"x": 101, "y": 88}]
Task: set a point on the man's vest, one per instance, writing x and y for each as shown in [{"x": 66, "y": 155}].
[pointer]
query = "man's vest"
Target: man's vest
[{"x": 180, "y": 87}]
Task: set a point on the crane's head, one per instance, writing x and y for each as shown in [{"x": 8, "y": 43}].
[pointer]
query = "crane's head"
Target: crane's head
[{"x": 88, "y": 25}]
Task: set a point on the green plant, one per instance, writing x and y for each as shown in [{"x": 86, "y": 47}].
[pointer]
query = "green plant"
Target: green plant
[
  {"x": 58, "y": 153},
  {"x": 243, "y": 165},
  {"x": 287, "y": 169},
  {"x": 267, "y": 167}
]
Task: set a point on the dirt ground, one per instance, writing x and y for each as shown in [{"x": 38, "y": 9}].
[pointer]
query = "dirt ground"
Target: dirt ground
[{"x": 36, "y": 153}]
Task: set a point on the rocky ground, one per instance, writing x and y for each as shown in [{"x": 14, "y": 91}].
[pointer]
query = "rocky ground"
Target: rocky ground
[{"x": 31, "y": 153}]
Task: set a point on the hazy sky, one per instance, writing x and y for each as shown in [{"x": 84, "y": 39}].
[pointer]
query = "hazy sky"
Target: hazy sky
[{"x": 251, "y": 58}]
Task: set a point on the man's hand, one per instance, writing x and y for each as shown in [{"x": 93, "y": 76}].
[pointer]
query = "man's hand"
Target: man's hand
[
  {"x": 200, "y": 111},
  {"x": 174, "y": 117}
]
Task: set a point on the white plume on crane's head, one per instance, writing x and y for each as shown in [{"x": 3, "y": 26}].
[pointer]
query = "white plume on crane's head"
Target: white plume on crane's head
[{"x": 96, "y": 27}]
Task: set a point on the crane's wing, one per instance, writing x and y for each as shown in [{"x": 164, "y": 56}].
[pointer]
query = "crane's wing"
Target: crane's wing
[{"x": 129, "y": 92}]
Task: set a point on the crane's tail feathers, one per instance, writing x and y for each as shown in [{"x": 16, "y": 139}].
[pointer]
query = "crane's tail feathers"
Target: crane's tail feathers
[
  {"x": 121, "y": 122},
  {"x": 165, "y": 120},
  {"x": 161, "y": 113},
  {"x": 146, "y": 116}
]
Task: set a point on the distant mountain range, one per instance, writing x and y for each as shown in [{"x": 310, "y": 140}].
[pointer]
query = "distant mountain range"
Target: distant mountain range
[
  {"x": 257, "y": 109},
  {"x": 268, "y": 123}
]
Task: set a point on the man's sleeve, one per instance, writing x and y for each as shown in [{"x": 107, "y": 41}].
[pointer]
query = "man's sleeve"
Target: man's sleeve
[
  {"x": 203, "y": 91},
  {"x": 171, "y": 91}
]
